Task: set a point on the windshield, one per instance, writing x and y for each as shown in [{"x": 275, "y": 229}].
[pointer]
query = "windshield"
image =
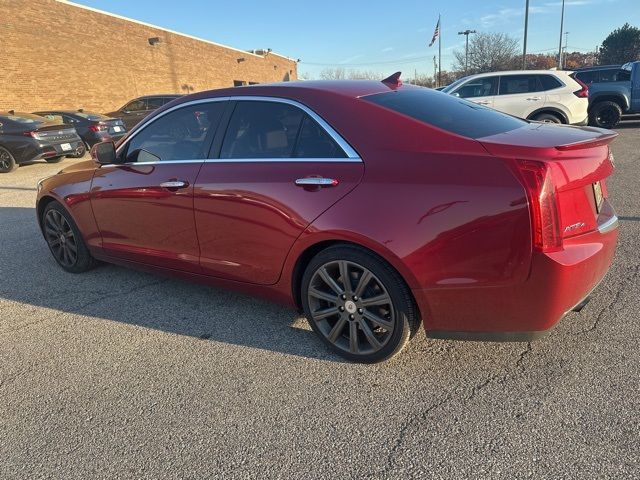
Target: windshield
[
  {"x": 447, "y": 112},
  {"x": 452, "y": 86}
]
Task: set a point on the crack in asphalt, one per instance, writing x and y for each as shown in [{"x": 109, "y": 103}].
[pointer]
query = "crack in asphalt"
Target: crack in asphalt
[
  {"x": 423, "y": 417},
  {"x": 79, "y": 309},
  {"x": 627, "y": 281}
]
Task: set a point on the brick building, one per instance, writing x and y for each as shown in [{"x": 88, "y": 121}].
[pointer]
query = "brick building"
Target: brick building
[{"x": 57, "y": 54}]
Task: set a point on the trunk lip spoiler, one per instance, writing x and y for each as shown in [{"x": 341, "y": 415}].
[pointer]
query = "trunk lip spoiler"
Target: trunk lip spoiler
[{"x": 602, "y": 140}]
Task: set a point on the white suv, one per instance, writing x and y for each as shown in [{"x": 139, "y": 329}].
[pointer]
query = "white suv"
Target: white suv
[{"x": 543, "y": 95}]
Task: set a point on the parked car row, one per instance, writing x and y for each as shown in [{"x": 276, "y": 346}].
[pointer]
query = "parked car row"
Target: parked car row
[
  {"x": 542, "y": 95},
  {"x": 598, "y": 95},
  {"x": 54, "y": 134}
]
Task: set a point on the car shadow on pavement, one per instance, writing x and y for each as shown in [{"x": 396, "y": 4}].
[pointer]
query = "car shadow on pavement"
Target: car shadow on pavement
[{"x": 31, "y": 276}]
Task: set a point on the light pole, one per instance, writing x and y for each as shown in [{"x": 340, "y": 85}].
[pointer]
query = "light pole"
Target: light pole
[
  {"x": 526, "y": 28},
  {"x": 466, "y": 49},
  {"x": 560, "y": 45}
]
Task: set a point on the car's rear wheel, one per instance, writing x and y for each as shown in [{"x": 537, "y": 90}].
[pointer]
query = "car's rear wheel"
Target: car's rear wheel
[
  {"x": 605, "y": 114},
  {"x": 7, "y": 162},
  {"x": 54, "y": 159},
  {"x": 547, "y": 118},
  {"x": 358, "y": 304},
  {"x": 64, "y": 239}
]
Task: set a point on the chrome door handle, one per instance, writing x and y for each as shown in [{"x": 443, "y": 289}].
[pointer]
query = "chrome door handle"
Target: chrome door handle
[
  {"x": 174, "y": 184},
  {"x": 534, "y": 98},
  {"x": 316, "y": 182}
]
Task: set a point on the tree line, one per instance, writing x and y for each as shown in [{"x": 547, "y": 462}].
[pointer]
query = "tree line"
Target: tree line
[{"x": 490, "y": 52}]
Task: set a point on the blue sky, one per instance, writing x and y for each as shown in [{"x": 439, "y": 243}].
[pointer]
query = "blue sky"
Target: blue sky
[{"x": 376, "y": 35}]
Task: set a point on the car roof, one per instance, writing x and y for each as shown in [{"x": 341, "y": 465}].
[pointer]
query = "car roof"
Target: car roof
[
  {"x": 346, "y": 88},
  {"x": 597, "y": 67},
  {"x": 161, "y": 95},
  {"x": 523, "y": 72},
  {"x": 68, "y": 112}
]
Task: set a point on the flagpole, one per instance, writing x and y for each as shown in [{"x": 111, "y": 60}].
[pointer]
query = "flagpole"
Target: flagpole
[{"x": 439, "y": 53}]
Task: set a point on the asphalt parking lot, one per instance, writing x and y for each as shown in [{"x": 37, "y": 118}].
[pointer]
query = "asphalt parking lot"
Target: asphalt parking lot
[{"x": 121, "y": 374}]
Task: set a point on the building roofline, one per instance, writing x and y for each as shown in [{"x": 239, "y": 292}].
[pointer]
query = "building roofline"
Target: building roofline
[{"x": 114, "y": 15}]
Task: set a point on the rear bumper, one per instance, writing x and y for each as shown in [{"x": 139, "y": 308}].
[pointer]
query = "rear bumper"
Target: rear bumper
[
  {"x": 558, "y": 282},
  {"x": 36, "y": 150}
]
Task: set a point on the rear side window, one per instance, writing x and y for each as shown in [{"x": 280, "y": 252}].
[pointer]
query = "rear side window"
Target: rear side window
[
  {"x": 447, "y": 112},
  {"x": 133, "y": 105},
  {"x": 512, "y": 84},
  {"x": 623, "y": 76},
  {"x": 315, "y": 142},
  {"x": 549, "y": 82},
  {"x": 179, "y": 135},
  {"x": 262, "y": 130}
]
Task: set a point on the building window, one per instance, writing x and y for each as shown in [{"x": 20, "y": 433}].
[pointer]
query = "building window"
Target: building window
[{"x": 239, "y": 83}]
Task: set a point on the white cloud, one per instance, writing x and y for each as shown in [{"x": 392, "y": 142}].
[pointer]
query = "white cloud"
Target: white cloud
[{"x": 386, "y": 49}]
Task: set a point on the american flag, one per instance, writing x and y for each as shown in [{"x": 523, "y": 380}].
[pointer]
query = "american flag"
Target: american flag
[{"x": 436, "y": 33}]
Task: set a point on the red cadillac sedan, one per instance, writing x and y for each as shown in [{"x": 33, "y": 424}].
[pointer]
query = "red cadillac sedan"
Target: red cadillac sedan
[{"x": 371, "y": 206}]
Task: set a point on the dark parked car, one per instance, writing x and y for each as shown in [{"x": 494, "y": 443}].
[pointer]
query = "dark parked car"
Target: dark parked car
[
  {"x": 139, "y": 108},
  {"x": 614, "y": 90},
  {"x": 25, "y": 137},
  {"x": 374, "y": 207},
  {"x": 92, "y": 127}
]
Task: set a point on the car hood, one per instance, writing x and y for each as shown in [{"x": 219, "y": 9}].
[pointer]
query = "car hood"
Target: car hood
[{"x": 80, "y": 166}]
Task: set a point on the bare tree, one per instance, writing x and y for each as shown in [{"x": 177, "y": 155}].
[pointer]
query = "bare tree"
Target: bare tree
[
  {"x": 488, "y": 52},
  {"x": 341, "y": 74}
]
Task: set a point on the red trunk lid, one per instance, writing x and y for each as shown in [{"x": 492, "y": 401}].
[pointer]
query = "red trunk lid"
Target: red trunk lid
[{"x": 578, "y": 161}]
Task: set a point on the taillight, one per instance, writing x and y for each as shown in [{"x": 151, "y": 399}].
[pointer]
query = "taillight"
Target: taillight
[
  {"x": 32, "y": 134},
  {"x": 584, "y": 91},
  {"x": 543, "y": 206},
  {"x": 99, "y": 127}
]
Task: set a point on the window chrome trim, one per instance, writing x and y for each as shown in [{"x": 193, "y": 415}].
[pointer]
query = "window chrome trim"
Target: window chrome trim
[
  {"x": 283, "y": 160},
  {"x": 352, "y": 155}
]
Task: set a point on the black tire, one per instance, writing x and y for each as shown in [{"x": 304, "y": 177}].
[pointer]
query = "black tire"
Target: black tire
[
  {"x": 64, "y": 239},
  {"x": 605, "y": 114},
  {"x": 7, "y": 162},
  {"x": 54, "y": 159},
  {"x": 78, "y": 152},
  {"x": 382, "y": 329},
  {"x": 547, "y": 118}
]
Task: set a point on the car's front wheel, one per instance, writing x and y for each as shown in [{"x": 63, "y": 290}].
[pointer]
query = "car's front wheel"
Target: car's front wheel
[
  {"x": 358, "y": 304},
  {"x": 64, "y": 239}
]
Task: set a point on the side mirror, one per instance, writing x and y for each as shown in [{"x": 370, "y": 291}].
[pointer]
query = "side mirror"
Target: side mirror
[{"x": 104, "y": 153}]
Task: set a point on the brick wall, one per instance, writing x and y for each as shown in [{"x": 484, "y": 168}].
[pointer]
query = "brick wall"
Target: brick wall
[{"x": 57, "y": 55}]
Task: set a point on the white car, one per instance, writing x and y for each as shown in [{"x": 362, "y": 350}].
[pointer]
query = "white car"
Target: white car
[{"x": 542, "y": 95}]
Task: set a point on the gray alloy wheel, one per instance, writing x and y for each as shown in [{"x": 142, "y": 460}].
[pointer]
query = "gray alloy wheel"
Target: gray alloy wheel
[
  {"x": 78, "y": 152},
  {"x": 64, "y": 239},
  {"x": 7, "y": 162},
  {"x": 358, "y": 304}
]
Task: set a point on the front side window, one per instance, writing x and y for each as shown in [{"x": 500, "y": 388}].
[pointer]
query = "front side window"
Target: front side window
[
  {"x": 262, "y": 130},
  {"x": 479, "y": 87},
  {"x": 135, "y": 105},
  {"x": 178, "y": 135},
  {"x": 623, "y": 76},
  {"x": 608, "y": 75},
  {"x": 514, "y": 84}
]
